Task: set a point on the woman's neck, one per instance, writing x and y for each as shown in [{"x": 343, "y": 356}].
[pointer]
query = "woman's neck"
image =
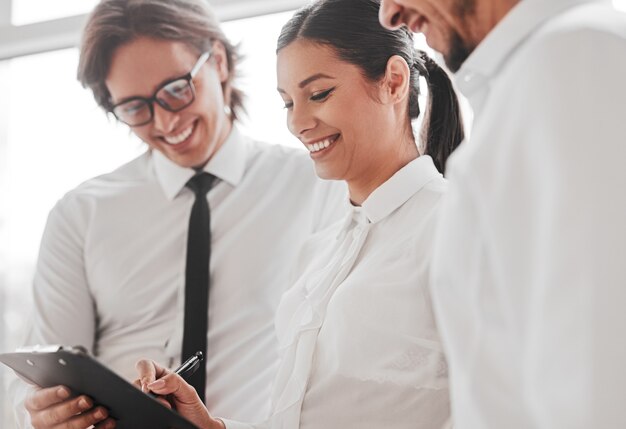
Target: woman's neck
[{"x": 379, "y": 171}]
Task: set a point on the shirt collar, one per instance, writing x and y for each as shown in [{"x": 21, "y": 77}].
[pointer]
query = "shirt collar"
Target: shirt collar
[
  {"x": 228, "y": 164},
  {"x": 489, "y": 56},
  {"x": 396, "y": 191}
]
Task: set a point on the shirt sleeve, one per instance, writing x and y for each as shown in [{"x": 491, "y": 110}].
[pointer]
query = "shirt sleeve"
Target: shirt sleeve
[
  {"x": 64, "y": 311},
  {"x": 557, "y": 229},
  {"x": 64, "y": 308},
  {"x": 18, "y": 390}
]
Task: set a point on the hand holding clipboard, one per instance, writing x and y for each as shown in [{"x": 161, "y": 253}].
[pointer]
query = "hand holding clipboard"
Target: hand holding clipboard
[{"x": 72, "y": 367}]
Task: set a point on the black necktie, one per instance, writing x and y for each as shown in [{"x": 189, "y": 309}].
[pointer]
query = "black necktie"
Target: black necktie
[{"x": 197, "y": 278}]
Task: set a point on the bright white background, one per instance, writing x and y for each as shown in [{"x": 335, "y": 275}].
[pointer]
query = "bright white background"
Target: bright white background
[
  {"x": 56, "y": 137},
  {"x": 29, "y": 11}
]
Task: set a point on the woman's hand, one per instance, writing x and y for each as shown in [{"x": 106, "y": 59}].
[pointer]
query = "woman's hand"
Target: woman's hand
[{"x": 181, "y": 396}]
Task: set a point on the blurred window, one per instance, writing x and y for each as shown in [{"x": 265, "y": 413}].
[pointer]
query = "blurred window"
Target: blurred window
[{"x": 31, "y": 11}]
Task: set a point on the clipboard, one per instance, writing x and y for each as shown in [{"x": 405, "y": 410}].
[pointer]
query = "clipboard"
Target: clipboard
[{"x": 73, "y": 367}]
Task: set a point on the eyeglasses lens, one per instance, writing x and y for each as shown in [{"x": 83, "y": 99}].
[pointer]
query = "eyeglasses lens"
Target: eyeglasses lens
[
  {"x": 174, "y": 96},
  {"x": 133, "y": 112}
]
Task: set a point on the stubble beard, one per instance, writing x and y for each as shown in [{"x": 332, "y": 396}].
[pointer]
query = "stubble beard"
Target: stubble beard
[
  {"x": 457, "y": 53},
  {"x": 459, "y": 50}
]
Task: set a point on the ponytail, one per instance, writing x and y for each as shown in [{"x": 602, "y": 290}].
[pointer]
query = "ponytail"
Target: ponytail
[
  {"x": 362, "y": 41},
  {"x": 443, "y": 123}
]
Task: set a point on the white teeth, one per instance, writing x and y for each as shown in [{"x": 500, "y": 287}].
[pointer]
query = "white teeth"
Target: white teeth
[
  {"x": 315, "y": 147},
  {"x": 179, "y": 138}
]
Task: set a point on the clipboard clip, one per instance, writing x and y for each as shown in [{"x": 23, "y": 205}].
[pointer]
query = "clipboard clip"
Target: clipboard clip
[{"x": 52, "y": 348}]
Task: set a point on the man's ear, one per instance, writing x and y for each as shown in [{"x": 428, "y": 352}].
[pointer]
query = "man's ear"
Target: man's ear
[
  {"x": 397, "y": 80},
  {"x": 218, "y": 53}
]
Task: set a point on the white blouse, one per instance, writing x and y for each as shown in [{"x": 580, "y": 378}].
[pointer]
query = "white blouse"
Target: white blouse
[{"x": 356, "y": 332}]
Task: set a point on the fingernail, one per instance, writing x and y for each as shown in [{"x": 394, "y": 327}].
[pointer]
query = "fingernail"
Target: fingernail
[
  {"x": 82, "y": 403},
  {"x": 158, "y": 384},
  {"x": 62, "y": 393},
  {"x": 99, "y": 414},
  {"x": 144, "y": 387}
]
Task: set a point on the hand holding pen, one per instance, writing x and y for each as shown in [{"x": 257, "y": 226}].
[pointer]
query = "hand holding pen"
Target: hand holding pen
[
  {"x": 151, "y": 373},
  {"x": 180, "y": 395}
]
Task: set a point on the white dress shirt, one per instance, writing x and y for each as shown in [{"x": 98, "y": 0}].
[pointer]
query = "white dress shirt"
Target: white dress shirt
[
  {"x": 530, "y": 261},
  {"x": 357, "y": 336},
  {"x": 110, "y": 274}
]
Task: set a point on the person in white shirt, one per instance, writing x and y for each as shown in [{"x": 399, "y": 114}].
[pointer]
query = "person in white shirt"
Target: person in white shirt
[
  {"x": 529, "y": 268},
  {"x": 358, "y": 342},
  {"x": 111, "y": 270}
]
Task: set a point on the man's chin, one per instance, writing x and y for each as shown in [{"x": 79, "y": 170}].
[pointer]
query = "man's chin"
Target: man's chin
[{"x": 457, "y": 54}]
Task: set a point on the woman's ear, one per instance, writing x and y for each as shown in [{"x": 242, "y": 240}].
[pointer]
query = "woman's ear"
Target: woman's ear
[
  {"x": 396, "y": 82},
  {"x": 218, "y": 53}
]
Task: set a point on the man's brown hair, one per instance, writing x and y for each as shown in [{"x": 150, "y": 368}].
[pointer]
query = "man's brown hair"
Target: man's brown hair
[{"x": 114, "y": 23}]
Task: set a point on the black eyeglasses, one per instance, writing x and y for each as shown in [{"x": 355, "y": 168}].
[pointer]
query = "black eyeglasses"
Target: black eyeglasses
[{"x": 174, "y": 95}]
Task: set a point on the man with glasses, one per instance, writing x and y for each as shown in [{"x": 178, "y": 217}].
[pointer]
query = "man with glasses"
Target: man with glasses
[
  {"x": 114, "y": 268},
  {"x": 530, "y": 261}
]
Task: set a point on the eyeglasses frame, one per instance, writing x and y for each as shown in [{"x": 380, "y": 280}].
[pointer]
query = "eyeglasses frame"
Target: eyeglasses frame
[{"x": 153, "y": 99}]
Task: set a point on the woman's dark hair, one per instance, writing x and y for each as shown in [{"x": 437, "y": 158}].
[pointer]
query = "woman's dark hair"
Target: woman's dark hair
[
  {"x": 114, "y": 23},
  {"x": 352, "y": 29}
]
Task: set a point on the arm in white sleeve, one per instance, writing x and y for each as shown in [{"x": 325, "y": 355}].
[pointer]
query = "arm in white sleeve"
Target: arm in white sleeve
[
  {"x": 18, "y": 391},
  {"x": 64, "y": 310},
  {"x": 564, "y": 182}
]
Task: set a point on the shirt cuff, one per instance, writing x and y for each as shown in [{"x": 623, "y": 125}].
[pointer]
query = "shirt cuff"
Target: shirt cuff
[{"x": 231, "y": 424}]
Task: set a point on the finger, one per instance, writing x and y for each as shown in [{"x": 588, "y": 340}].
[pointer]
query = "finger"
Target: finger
[
  {"x": 40, "y": 399},
  {"x": 108, "y": 423},
  {"x": 62, "y": 412},
  {"x": 164, "y": 402},
  {"x": 173, "y": 384},
  {"x": 185, "y": 400},
  {"x": 143, "y": 388},
  {"x": 84, "y": 420},
  {"x": 148, "y": 365},
  {"x": 148, "y": 372}
]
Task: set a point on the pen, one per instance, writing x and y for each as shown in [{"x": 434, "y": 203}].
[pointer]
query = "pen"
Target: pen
[
  {"x": 190, "y": 366},
  {"x": 186, "y": 370}
]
